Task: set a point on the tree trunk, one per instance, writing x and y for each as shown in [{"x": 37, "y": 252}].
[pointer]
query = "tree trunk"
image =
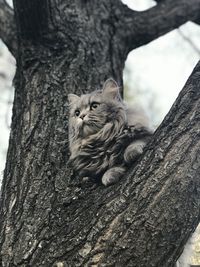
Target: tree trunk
[{"x": 48, "y": 216}]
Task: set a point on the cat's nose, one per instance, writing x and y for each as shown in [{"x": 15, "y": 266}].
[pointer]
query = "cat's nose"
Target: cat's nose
[{"x": 82, "y": 116}]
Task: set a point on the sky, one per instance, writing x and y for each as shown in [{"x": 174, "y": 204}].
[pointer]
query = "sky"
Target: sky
[
  {"x": 154, "y": 74},
  {"x": 7, "y": 70}
]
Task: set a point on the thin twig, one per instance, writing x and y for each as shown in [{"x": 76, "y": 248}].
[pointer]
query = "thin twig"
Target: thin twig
[{"x": 189, "y": 41}]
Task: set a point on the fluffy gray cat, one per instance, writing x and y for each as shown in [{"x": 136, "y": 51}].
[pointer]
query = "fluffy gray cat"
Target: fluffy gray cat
[{"x": 105, "y": 136}]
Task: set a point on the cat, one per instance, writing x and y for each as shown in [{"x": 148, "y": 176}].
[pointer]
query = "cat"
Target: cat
[{"x": 105, "y": 136}]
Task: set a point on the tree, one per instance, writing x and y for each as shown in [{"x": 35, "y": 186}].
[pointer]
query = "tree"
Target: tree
[{"x": 49, "y": 217}]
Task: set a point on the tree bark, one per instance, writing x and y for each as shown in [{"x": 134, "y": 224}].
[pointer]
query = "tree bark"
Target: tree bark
[{"x": 48, "y": 216}]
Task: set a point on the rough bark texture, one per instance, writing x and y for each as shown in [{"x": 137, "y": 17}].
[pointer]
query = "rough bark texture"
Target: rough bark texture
[{"x": 48, "y": 217}]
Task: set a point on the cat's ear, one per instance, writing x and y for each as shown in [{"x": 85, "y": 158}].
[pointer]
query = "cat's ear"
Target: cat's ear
[
  {"x": 73, "y": 98},
  {"x": 111, "y": 89}
]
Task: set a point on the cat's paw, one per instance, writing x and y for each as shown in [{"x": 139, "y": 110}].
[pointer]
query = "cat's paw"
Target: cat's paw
[
  {"x": 134, "y": 150},
  {"x": 112, "y": 175}
]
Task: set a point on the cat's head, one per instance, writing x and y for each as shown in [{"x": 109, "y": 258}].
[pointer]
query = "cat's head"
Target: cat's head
[{"x": 89, "y": 113}]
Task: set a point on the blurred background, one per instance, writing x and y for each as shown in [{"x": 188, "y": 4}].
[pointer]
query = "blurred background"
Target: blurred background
[{"x": 153, "y": 76}]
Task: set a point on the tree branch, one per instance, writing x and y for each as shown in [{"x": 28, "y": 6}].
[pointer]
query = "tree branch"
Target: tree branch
[
  {"x": 7, "y": 27},
  {"x": 159, "y": 1},
  {"x": 139, "y": 28},
  {"x": 156, "y": 207},
  {"x": 189, "y": 41}
]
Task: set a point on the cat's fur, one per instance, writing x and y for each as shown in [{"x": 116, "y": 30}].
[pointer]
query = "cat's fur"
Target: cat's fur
[{"x": 104, "y": 135}]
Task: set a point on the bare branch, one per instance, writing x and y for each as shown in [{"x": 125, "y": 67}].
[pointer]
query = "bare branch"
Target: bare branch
[
  {"x": 159, "y": 1},
  {"x": 139, "y": 28},
  {"x": 8, "y": 27},
  {"x": 189, "y": 41}
]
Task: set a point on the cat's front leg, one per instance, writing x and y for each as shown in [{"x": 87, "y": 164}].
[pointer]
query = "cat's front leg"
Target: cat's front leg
[
  {"x": 134, "y": 150},
  {"x": 112, "y": 175}
]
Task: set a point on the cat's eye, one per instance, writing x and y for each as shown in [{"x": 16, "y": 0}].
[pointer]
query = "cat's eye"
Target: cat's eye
[
  {"x": 77, "y": 112},
  {"x": 94, "y": 105}
]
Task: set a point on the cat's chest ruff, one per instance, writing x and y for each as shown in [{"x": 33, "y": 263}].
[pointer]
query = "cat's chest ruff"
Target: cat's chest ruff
[{"x": 99, "y": 155}]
